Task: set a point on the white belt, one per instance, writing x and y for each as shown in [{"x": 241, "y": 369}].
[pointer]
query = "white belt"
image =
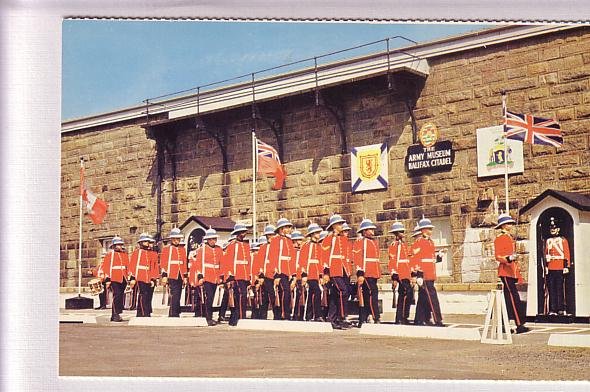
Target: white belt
[
  {"x": 337, "y": 256},
  {"x": 209, "y": 265},
  {"x": 175, "y": 262},
  {"x": 118, "y": 267},
  {"x": 312, "y": 261},
  {"x": 242, "y": 262},
  {"x": 427, "y": 260},
  {"x": 371, "y": 260},
  {"x": 555, "y": 257},
  {"x": 143, "y": 267},
  {"x": 284, "y": 257},
  {"x": 403, "y": 261}
]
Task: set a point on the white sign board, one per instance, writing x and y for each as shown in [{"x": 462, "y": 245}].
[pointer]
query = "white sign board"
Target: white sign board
[{"x": 490, "y": 153}]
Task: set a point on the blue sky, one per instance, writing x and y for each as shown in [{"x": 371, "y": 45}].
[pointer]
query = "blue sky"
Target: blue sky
[{"x": 109, "y": 65}]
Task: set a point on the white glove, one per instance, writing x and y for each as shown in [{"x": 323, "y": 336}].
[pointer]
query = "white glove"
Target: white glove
[
  {"x": 566, "y": 270},
  {"x": 420, "y": 281}
]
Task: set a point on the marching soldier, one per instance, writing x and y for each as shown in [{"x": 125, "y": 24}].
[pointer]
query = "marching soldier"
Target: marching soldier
[
  {"x": 425, "y": 253},
  {"x": 236, "y": 268},
  {"x": 204, "y": 274},
  {"x": 282, "y": 261},
  {"x": 298, "y": 297},
  {"x": 508, "y": 271},
  {"x": 366, "y": 260},
  {"x": 311, "y": 272},
  {"x": 139, "y": 267},
  {"x": 269, "y": 296},
  {"x": 115, "y": 266},
  {"x": 399, "y": 265},
  {"x": 557, "y": 260},
  {"x": 257, "y": 284},
  {"x": 225, "y": 297},
  {"x": 174, "y": 270},
  {"x": 337, "y": 269}
]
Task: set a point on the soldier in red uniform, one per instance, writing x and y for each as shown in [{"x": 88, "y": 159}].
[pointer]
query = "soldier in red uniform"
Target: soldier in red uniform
[
  {"x": 204, "y": 274},
  {"x": 115, "y": 266},
  {"x": 139, "y": 267},
  {"x": 282, "y": 261},
  {"x": 365, "y": 254},
  {"x": 399, "y": 266},
  {"x": 297, "y": 287},
  {"x": 557, "y": 259},
  {"x": 257, "y": 284},
  {"x": 425, "y": 253},
  {"x": 311, "y": 271},
  {"x": 268, "y": 291},
  {"x": 337, "y": 268},
  {"x": 174, "y": 269},
  {"x": 236, "y": 267},
  {"x": 508, "y": 272}
]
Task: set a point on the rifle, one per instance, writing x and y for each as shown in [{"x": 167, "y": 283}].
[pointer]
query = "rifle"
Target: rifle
[{"x": 306, "y": 298}]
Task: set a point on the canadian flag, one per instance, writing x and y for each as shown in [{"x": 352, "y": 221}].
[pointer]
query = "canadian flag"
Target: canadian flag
[{"x": 95, "y": 207}]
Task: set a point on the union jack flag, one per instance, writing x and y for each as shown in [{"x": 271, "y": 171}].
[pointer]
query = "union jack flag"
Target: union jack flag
[
  {"x": 532, "y": 130},
  {"x": 269, "y": 163}
]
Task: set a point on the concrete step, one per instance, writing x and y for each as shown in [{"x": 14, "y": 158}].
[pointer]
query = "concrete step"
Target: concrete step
[
  {"x": 159, "y": 321},
  {"x": 410, "y": 331},
  {"x": 284, "y": 326},
  {"x": 569, "y": 340}
]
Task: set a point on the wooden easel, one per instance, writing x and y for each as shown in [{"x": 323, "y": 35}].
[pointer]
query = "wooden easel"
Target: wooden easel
[{"x": 496, "y": 321}]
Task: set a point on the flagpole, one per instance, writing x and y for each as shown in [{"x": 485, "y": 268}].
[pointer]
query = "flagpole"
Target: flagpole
[
  {"x": 80, "y": 238},
  {"x": 505, "y": 151},
  {"x": 254, "y": 184}
]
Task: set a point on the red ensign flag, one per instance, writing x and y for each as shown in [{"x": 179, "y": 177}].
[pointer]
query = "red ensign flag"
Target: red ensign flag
[
  {"x": 269, "y": 163},
  {"x": 96, "y": 208}
]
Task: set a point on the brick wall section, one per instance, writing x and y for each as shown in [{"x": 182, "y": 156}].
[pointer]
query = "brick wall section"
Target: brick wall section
[{"x": 548, "y": 76}]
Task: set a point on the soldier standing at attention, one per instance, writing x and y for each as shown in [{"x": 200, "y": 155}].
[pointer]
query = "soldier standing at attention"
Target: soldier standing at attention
[
  {"x": 236, "y": 268},
  {"x": 115, "y": 266},
  {"x": 337, "y": 268},
  {"x": 508, "y": 272},
  {"x": 399, "y": 265},
  {"x": 366, "y": 260},
  {"x": 558, "y": 262},
  {"x": 311, "y": 272},
  {"x": 174, "y": 270},
  {"x": 282, "y": 261}
]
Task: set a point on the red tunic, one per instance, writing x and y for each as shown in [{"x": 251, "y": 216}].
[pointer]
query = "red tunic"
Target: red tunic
[
  {"x": 154, "y": 268},
  {"x": 334, "y": 252},
  {"x": 425, "y": 257},
  {"x": 237, "y": 261},
  {"x": 282, "y": 255},
  {"x": 399, "y": 260},
  {"x": 173, "y": 261},
  {"x": 140, "y": 264},
  {"x": 504, "y": 245},
  {"x": 207, "y": 261},
  {"x": 557, "y": 251},
  {"x": 365, "y": 253},
  {"x": 115, "y": 265},
  {"x": 310, "y": 260}
]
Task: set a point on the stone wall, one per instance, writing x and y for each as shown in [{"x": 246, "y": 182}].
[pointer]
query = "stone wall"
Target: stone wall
[{"x": 547, "y": 75}]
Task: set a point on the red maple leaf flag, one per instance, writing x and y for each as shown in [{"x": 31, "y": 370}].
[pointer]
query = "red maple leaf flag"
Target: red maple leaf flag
[
  {"x": 95, "y": 207},
  {"x": 269, "y": 163}
]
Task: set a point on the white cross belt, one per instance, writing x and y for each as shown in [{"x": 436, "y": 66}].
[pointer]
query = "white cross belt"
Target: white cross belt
[
  {"x": 175, "y": 262},
  {"x": 242, "y": 262},
  {"x": 118, "y": 267},
  {"x": 427, "y": 260}
]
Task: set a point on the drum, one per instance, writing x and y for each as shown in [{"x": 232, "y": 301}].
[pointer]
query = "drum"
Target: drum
[{"x": 95, "y": 286}]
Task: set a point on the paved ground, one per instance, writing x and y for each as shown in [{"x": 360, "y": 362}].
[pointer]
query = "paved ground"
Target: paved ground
[{"x": 223, "y": 351}]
